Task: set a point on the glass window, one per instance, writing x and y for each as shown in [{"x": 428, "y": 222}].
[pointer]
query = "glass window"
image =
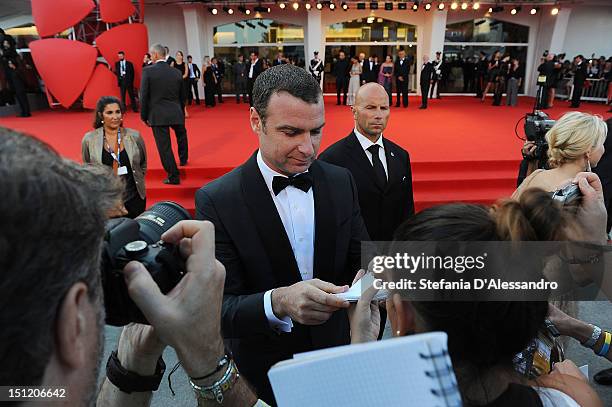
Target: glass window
[
  {"x": 486, "y": 30},
  {"x": 370, "y": 29},
  {"x": 458, "y": 70},
  {"x": 256, "y": 31}
]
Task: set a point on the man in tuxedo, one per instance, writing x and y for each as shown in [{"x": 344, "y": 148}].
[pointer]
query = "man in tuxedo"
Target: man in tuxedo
[
  {"x": 427, "y": 72},
  {"x": 580, "y": 76},
  {"x": 287, "y": 229},
  {"x": 401, "y": 72},
  {"x": 169, "y": 59},
  {"x": 125, "y": 79},
  {"x": 240, "y": 79},
  {"x": 254, "y": 69},
  {"x": 162, "y": 98},
  {"x": 146, "y": 60},
  {"x": 316, "y": 67},
  {"x": 194, "y": 77},
  {"x": 381, "y": 168},
  {"x": 341, "y": 72},
  {"x": 370, "y": 71}
]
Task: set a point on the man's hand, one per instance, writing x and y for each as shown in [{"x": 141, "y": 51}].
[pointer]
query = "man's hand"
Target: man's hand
[
  {"x": 139, "y": 349},
  {"x": 528, "y": 149},
  {"x": 592, "y": 215},
  {"x": 400, "y": 78},
  {"x": 364, "y": 315},
  {"x": 188, "y": 317},
  {"x": 310, "y": 302}
]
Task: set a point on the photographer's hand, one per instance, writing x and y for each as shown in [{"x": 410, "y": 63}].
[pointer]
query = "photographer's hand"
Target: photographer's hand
[{"x": 188, "y": 317}]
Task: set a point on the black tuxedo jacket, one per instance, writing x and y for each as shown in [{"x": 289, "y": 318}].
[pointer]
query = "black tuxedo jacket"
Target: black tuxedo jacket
[
  {"x": 162, "y": 95},
  {"x": 580, "y": 75},
  {"x": 370, "y": 75},
  {"x": 427, "y": 72},
  {"x": 257, "y": 69},
  {"x": 129, "y": 72},
  {"x": 252, "y": 244},
  {"x": 402, "y": 70},
  {"x": 383, "y": 210},
  {"x": 196, "y": 71}
]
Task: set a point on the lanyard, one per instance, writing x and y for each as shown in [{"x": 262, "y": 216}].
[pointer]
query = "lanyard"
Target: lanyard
[{"x": 112, "y": 153}]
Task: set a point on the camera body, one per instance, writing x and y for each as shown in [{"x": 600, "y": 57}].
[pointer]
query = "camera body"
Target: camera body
[
  {"x": 569, "y": 196},
  {"x": 138, "y": 239},
  {"x": 536, "y": 126}
]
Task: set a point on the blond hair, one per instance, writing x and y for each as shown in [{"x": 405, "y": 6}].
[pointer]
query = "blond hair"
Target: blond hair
[{"x": 574, "y": 134}]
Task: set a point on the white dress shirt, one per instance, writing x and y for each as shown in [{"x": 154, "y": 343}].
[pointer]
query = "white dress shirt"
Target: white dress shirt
[
  {"x": 191, "y": 73},
  {"x": 122, "y": 68},
  {"x": 366, "y": 143},
  {"x": 296, "y": 210},
  {"x": 251, "y": 68}
]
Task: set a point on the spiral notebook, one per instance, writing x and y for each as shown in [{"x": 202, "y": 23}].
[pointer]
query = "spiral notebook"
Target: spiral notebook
[{"x": 409, "y": 371}]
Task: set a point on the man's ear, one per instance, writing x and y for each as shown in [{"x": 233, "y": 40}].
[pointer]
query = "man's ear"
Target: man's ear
[
  {"x": 71, "y": 326},
  {"x": 255, "y": 119}
]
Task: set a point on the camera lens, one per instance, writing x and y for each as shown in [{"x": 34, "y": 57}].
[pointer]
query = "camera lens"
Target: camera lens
[{"x": 159, "y": 218}]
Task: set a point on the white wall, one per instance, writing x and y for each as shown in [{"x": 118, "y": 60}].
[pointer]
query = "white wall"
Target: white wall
[
  {"x": 589, "y": 30},
  {"x": 166, "y": 25}
]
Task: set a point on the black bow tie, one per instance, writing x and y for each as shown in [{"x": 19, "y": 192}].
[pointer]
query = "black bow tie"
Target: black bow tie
[{"x": 300, "y": 181}]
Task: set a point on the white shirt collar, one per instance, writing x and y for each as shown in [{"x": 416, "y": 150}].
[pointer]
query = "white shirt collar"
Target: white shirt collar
[
  {"x": 267, "y": 172},
  {"x": 366, "y": 142}
]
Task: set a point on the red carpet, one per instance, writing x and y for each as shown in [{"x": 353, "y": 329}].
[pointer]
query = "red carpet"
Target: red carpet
[{"x": 461, "y": 149}]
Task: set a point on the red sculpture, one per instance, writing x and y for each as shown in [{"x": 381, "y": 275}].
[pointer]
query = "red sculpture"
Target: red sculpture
[
  {"x": 114, "y": 11},
  {"x": 102, "y": 83},
  {"x": 130, "y": 38},
  {"x": 65, "y": 66},
  {"x": 52, "y": 17}
]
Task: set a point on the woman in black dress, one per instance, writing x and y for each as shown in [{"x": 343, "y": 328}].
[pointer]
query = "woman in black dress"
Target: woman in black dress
[
  {"x": 184, "y": 70},
  {"x": 210, "y": 83},
  {"x": 492, "y": 72}
]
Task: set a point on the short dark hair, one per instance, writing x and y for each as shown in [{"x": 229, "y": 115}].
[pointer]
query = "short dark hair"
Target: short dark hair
[
  {"x": 189, "y": 56},
  {"x": 121, "y": 52},
  {"x": 148, "y": 55},
  {"x": 102, "y": 103},
  {"x": 284, "y": 78},
  {"x": 50, "y": 239}
]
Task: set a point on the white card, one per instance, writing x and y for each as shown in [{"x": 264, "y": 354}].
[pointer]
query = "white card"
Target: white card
[{"x": 122, "y": 170}]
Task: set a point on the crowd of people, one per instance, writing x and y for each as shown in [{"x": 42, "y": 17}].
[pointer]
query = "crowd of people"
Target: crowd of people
[{"x": 273, "y": 242}]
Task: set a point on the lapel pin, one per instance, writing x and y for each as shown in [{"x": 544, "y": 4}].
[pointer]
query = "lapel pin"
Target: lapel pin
[{"x": 392, "y": 155}]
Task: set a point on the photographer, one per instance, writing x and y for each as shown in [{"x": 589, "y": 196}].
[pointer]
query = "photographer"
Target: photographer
[
  {"x": 53, "y": 222},
  {"x": 575, "y": 144}
]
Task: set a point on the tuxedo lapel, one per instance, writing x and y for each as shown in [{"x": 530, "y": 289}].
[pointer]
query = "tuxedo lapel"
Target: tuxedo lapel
[
  {"x": 325, "y": 224},
  {"x": 269, "y": 225},
  {"x": 357, "y": 154},
  {"x": 394, "y": 166}
]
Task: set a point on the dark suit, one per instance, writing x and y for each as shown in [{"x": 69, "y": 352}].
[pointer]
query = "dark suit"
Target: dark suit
[
  {"x": 126, "y": 82},
  {"x": 383, "y": 210},
  {"x": 427, "y": 72},
  {"x": 252, "y": 244},
  {"x": 240, "y": 80},
  {"x": 402, "y": 69},
  {"x": 341, "y": 72},
  {"x": 579, "y": 77},
  {"x": 257, "y": 69},
  {"x": 162, "y": 97},
  {"x": 370, "y": 75},
  {"x": 193, "y": 84}
]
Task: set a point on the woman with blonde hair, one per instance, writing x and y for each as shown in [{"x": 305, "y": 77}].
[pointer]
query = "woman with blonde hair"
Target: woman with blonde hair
[{"x": 575, "y": 144}]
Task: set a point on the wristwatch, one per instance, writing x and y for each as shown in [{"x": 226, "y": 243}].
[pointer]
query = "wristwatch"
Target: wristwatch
[
  {"x": 589, "y": 343},
  {"x": 129, "y": 382}
]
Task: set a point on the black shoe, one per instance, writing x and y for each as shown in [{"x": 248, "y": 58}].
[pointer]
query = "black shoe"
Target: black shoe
[
  {"x": 574, "y": 106},
  {"x": 25, "y": 115},
  {"x": 422, "y": 107},
  {"x": 405, "y": 106},
  {"x": 169, "y": 181},
  {"x": 604, "y": 377},
  {"x": 338, "y": 104},
  {"x": 397, "y": 105},
  {"x": 183, "y": 163}
]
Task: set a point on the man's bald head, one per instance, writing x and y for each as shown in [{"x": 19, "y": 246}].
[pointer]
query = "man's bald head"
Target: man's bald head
[
  {"x": 371, "y": 110},
  {"x": 369, "y": 91}
]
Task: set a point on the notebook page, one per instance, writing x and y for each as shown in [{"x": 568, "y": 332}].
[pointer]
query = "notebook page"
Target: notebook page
[{"x": 384, "y": 373}]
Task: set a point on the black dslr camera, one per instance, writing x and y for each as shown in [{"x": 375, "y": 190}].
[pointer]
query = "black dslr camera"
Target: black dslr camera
[
  {"x": 537, "y": 125},
  {"x": 139, "y": 239}
]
